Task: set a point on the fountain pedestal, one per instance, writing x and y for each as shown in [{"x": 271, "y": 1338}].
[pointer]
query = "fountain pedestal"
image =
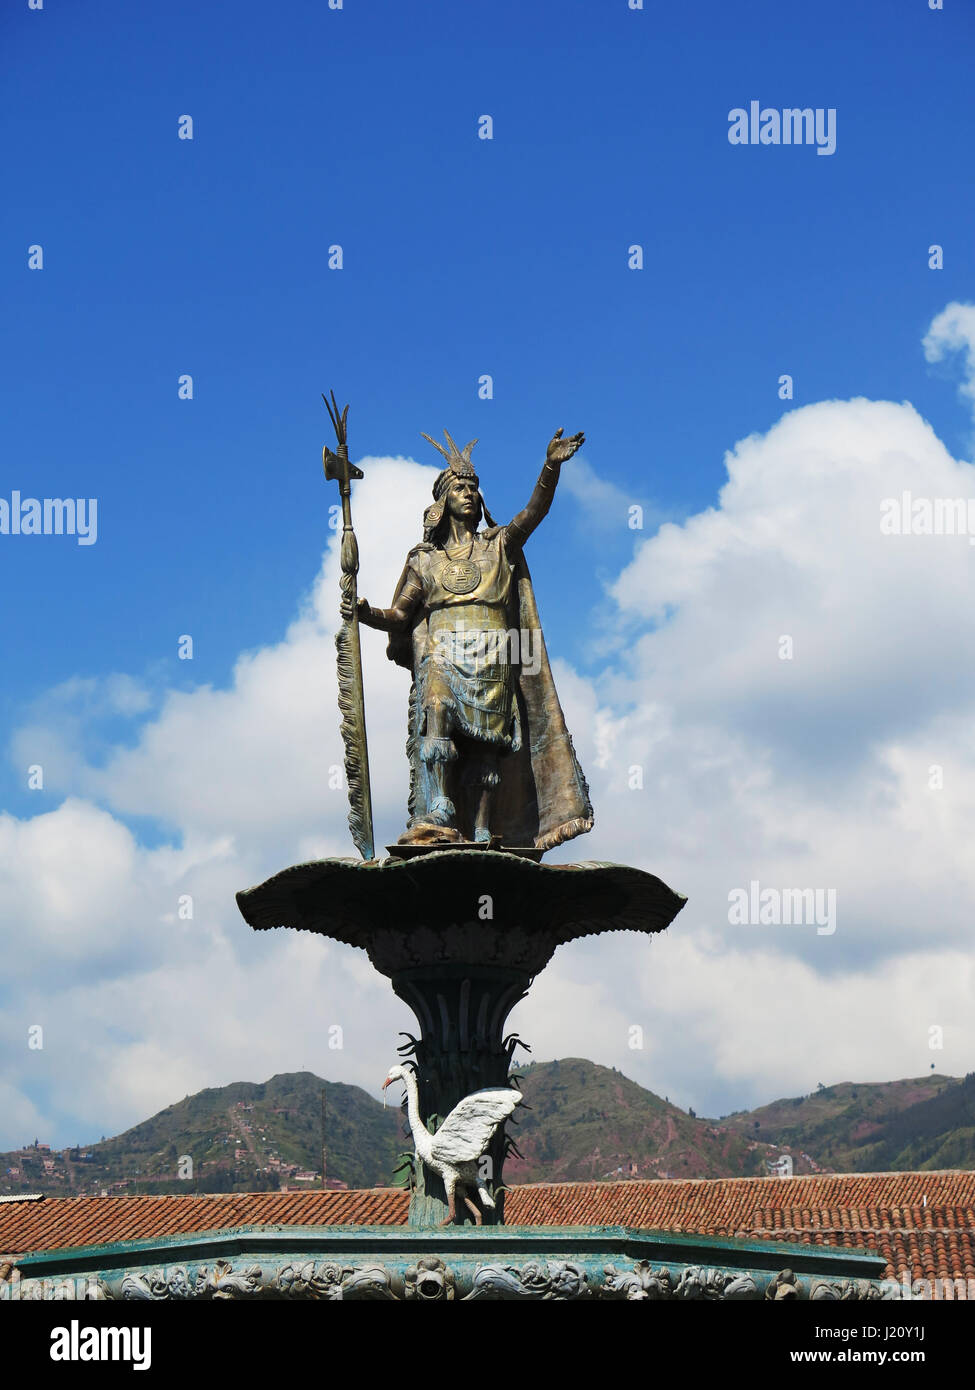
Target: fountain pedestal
[{"x": 460, "y": 934}]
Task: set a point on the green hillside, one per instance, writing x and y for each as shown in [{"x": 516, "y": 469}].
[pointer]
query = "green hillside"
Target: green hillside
[
  {"x": 582, "y": 1122},
  {"x": 588, "y": 1122},
  {"x": 925, "y": 1122},
  {"x": 240, "y": 1138}
]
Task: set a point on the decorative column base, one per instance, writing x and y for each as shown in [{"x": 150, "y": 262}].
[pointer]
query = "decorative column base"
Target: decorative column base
[{"x": 461, "y": 1010}]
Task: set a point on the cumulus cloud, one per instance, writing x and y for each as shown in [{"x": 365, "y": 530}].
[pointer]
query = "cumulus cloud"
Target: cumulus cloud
[
  {"x": 953, "y": 330},
  {"x": 731, "y": 1026},
  {"x": 802, "y": 665},
  {"x": 787, "y": 697}
]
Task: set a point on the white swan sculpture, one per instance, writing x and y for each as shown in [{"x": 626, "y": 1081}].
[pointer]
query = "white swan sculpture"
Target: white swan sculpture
[{"x": 459, "y": 1143}]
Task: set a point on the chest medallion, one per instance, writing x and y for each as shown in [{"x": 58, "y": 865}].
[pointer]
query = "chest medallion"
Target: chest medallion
[{"x": 460, "y": 576}]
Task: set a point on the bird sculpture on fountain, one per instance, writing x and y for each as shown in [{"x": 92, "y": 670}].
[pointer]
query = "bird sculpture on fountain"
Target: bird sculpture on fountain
[{"x": 455, "y": 1150}]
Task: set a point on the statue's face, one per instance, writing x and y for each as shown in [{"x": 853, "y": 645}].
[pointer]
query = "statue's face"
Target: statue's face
[{"x": 463, "y": 501}]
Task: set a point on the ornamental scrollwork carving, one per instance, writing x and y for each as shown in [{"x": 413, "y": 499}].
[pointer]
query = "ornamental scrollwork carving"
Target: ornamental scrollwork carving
[
  {"x": 222, "y": 1282},
  {"x": 157, "y": 1284},
  {"x": 308, "y": 1280},
  {"x": 697, "y": 1283},
  {"x": 640, "y": 1282},
  {"x": 219, "y": 1282},
  {"x": 782, "y": 1285},
  {"x": 847, "y": 1290},
  {"x": 371, "y": 1281},
  {"x": 551, "y": 1280},
  {"x": 328, "y": 1282},
  {"x": 430, "y": 1280}
]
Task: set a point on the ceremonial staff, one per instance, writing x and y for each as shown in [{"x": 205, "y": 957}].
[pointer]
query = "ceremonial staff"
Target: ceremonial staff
[{"x": 352, "y": 703}]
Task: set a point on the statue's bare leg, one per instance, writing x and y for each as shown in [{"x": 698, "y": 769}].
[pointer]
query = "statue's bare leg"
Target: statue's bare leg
[
  {"x": 437, "y": 749},
  {"x": 488, "y": 777},
  {"x": 482, "y": 822}
]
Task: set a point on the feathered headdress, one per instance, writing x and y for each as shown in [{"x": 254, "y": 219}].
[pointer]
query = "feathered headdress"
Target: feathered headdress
[{"x": 458, "y": 466}]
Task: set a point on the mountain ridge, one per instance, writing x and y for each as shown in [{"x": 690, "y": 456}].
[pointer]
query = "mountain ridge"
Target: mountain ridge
[{"x": 581, "y": 1122}]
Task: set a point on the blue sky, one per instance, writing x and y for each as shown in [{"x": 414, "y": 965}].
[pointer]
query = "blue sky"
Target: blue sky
[{"x": 461, "y": 257}]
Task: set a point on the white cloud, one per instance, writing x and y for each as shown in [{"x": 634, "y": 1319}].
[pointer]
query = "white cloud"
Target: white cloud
[
  {"x": 953, "y": 330},
  {"x": 734, "y": 1027}
]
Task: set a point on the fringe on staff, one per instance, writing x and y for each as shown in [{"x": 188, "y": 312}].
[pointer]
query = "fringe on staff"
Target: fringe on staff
[{"x": 353, "y": 735}]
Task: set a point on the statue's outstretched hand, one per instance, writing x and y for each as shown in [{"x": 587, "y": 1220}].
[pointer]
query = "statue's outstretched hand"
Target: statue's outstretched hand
[{"x": 560, "y": 449}]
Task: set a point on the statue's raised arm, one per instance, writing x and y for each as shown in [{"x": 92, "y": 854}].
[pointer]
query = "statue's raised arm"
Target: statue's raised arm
[{"x": 559, "y": 451}]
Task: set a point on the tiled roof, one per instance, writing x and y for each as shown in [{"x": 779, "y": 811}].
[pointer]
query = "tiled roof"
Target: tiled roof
[
  {"x": 932, "y": 1239},
  {"x": 58, "y": 1222},
  {"x": 729, "y": 1206},
  {"x": 923, "y": 1224}
]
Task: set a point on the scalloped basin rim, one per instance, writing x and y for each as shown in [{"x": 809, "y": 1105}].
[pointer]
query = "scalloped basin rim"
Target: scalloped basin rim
[{"x": 352, "y": 900}]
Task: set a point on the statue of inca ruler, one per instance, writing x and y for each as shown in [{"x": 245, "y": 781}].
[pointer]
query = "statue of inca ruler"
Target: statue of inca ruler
[{"x": 491, "y": 761}]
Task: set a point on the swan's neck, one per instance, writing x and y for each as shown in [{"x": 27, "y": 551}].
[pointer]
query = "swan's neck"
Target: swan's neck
[{"x": 421, "y": 1135}]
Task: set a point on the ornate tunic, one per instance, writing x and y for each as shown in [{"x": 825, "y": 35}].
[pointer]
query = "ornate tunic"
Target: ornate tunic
[{"x": 467, "y": 665}]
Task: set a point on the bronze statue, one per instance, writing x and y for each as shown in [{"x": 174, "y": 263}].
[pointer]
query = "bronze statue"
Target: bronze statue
[
  {"x": 491, "y": 761},
  {"x": 492, "y": 768}
]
